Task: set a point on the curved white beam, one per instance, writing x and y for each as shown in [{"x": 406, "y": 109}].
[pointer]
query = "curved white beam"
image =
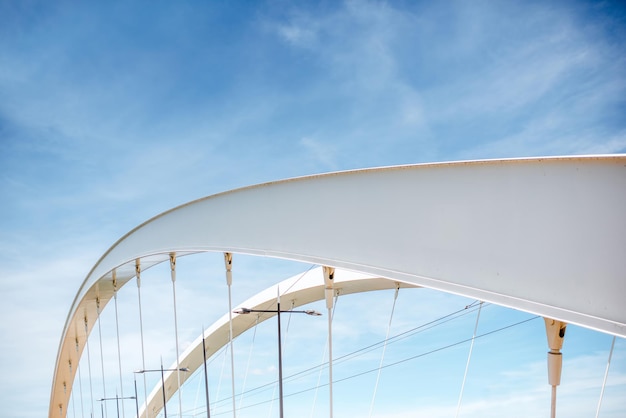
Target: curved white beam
[
  {"x": 543, "y": 235},
  {"x": 298, "y": 290}
]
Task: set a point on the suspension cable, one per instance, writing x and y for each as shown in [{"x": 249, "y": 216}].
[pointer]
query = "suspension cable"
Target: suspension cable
[
  {"x": 321, "y": 369},
  {"x": 80, "y": 383},
  {"x": 409, "y": 333},
  {"x": 398, "y": 337},
  {"x": 143, "y": 355},
  {"x": 423, "y": 354},
  {"x": 606, "y": 374},
  {"x": 104, "y": 391},
  {"x": 382, "y": 357},
  {"x": 206, "y": 376},
  {"x": 73, "y": 404},
  {"x": 219, "y": 383},
  {"x": 228, "y": 261},
  {"x": 117, "y": 331},
  {"x": 89, "y": 364},
  {"x": 245, "y": 378},
  {"x": 173, "y": 276},
  {"x": 442, "y": 348},
  {"x": 400, "y": 361},
  {"x": 469, "y": 356}
]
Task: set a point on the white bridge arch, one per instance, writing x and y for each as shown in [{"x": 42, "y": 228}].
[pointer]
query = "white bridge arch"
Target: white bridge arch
[{"x": 542, "y": 235}]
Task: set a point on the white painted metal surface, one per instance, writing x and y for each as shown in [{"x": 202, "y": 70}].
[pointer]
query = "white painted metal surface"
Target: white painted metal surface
[
  {"x": 542, "y": 235},
  {"x": 298, "y": 290}
]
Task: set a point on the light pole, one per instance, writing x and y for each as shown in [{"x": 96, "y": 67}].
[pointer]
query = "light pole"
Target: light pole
[
  {"x": 182, "y": 369},
  {"x": 206, "y": 376},
  {"x": 136, "y": 398},
  {"x": 117, "y": 401},
  {"x": 280, "y": 355}
]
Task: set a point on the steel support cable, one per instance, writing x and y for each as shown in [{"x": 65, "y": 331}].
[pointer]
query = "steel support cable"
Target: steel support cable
[
  {"x": 73, "y": 405},
  {"x": 469, "y": 356},
  {"x": 80, "y": 384},
  {"x": 117, "y": 332},
  {"x": 80, "y": 387},
  {"x": 397, "y": 362},
  {"x": 409, "y": 333},
  {"x": 245, "y": 378},
  {"x": 194, "y": 411},
  {"x": 323, "y": 362},
  {"x": 406, "y": 359},
  {"x": 382, "y": 357},
  {"x": 104, "y": 391},
  {"x": 188, "y": 383},
  {"x": 606, "y": 374},
  {"x": 329, "y": 289},
  {"x": 89, "y": 365},
  {"x": 218, "y": 401},
  {"x": 228, "y": 262},
  {"x": 440, "y": 348},
  {"x": 206, "y": 376},
  {"x": 411, "y": 358},
  {"x": 553, "y": 402},
  {"x": 143, "y": 354},
  {"x": 406, "y": 334},
  {"x": 194, "y": 379},
  {"x": 173, "y": 276},
  {"x": 299, "y": 277},
  {"x": 431, "y": 324},
  {"x": 71, "y": 392},
  {"x": 424, "y": 327},
  {"x": 224, "y": 351}
]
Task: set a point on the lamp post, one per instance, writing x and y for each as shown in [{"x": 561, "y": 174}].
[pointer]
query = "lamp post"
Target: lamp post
[
  {"x": 182, "y": 369},
  {"x": 136, "y": 398},
  {"x": 117, "y": 401},
  {"x": 280, "y": 356}
]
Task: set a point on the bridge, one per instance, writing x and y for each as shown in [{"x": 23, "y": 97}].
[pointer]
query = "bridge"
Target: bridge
[{"x": 544, "y": 236}]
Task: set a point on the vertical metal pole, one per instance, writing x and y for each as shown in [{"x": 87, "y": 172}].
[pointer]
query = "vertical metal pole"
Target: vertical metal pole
[
  {"x": 280, "y": 363},
  {"x": 329, "y": 277},
  {"x": 117, "y": 404},
  {"x": 228, "y": 262},
  {"x": 206, "y": 377},
  {"x": 80, "y": 385},
  {"x": 89, "y": 369},
  {"x": 104, "y": 391},
  {"x": 163, "y": 391},
  {"x": 136, "y": 398},
  {"x": 173, "y": 274},
  {"x": 119, "y": 353},
  {"x": 143, "y": 356}
]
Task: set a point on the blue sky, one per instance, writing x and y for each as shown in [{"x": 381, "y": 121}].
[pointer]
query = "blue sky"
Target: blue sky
[{"x": 112, "y": 112}]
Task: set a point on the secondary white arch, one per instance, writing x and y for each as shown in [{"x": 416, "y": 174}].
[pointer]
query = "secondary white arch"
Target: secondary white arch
[
  {"x": 543, "y": 235},
  {"x": 298, "y": 290}
]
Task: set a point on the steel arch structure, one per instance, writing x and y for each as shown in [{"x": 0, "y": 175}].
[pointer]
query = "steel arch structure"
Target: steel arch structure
[{"x": 542, "y": 235}]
